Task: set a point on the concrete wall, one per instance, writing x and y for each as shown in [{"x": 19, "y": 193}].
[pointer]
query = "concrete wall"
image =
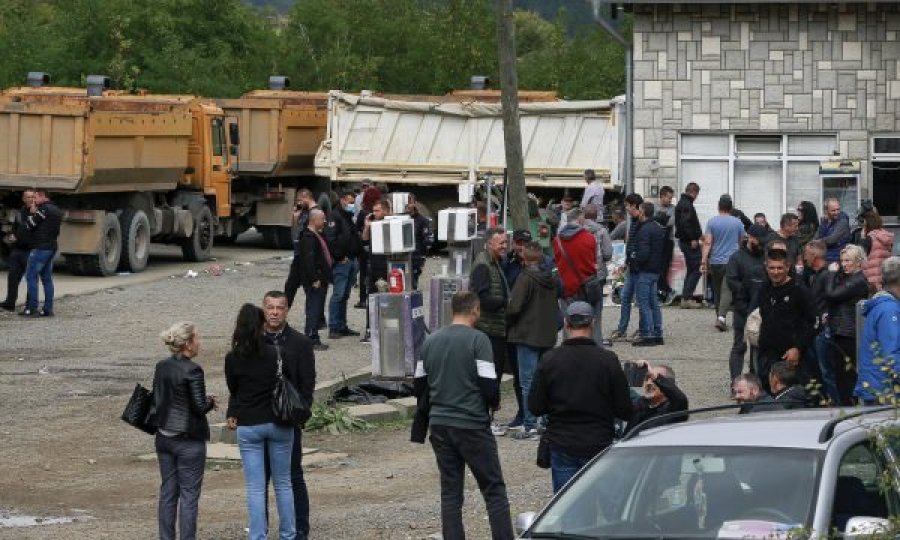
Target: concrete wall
[{"x": 832, "y": 68}]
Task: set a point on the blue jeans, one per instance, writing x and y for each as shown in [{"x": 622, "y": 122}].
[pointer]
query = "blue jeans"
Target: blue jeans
[
  {"x": 822, "y": 350},
  {"x": 528, "y": 359},
  {"x": 315, "y": 304},
  {"x": 648, "y": 305},
  {"x": 40, "y": 263},
  {"x": 342, "y": 275},
  {"x": 563, "y": 467},
  {"x": 278, "y": 441},
  {"x": 627, "y": 296}
]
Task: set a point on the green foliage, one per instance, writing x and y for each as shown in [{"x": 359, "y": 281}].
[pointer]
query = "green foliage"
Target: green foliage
[
  {"x": 223, "y": 48},
  {"x": 334, "y": 420}
]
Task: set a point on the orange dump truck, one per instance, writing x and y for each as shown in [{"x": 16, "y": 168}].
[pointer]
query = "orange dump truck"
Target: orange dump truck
[
  {"x": 127, "y": 171},
  {"x": 280, "y": 133}
]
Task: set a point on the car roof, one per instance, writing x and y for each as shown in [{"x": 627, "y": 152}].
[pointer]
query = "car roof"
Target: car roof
[{"x": 797, "y": 428}]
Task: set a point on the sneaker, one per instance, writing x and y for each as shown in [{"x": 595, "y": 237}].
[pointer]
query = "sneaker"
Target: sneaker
[
  {"x": 45, "y": 313},
  {"x": 348, "y": 332},
  {"x": 635, "y": 335},
  {"x": 8, "y": 306},
  {"x": 27, "y": 312},
  {"x": 498, "y": 430},
  {"x": 526, "y": 435},
  {"x": 670, "y": 297},
  {"x": 721, "y": 326},
  {"x": 335, "y": 335},
  {"x": 645, "y": 342},
  {"x": 360, "y": 305},
  {"x": 617, "y": 336},
  {"x": 366, "y": 338},
  {"x": 319, "y": 346}
]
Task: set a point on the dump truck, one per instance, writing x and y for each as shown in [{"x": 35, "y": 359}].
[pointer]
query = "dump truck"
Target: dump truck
[
  {"x": 442, "y": 143},
  {"x": 127, "y": 170},
  {"x": 281, "y": 131}
]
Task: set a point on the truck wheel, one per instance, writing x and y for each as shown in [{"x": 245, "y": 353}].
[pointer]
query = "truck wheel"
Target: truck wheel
[
  {"x": 105, "y": 262},
  {"x": 199, "y": 246},
  {"x": 135, "y": 240},
  {"x": 277, "y": 237}
]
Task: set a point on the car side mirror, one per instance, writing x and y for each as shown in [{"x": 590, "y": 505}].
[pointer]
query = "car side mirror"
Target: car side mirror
[
  {"x": 524, "y": 522},
  {"x": 865, "y": 527}
]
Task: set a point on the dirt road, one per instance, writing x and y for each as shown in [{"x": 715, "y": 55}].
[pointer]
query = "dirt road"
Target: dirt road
[{"x": 64, "y": 452}]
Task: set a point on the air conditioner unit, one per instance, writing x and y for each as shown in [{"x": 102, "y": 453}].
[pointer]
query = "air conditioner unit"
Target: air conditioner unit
[
  {"x": 457, "y": 225},
  {"x": 393, "y": 234}
]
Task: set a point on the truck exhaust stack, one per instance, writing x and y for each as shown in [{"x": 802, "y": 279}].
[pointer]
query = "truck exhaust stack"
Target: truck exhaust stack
[
  {"x": 37, "y": 79},
  {"x": 96, "y": 84},
  {"x": 279, "y": 82}
]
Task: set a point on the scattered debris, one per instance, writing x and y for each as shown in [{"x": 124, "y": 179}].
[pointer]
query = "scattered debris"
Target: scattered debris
[
  {"x": 92, "y": 462},
  {"x": 191, "y": 274},
  {"x": 215, "y": 270},
  {"x": 44, "y": 370}
]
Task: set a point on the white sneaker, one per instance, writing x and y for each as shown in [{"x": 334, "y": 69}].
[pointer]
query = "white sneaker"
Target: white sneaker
[{"x": 498, "y": 430}]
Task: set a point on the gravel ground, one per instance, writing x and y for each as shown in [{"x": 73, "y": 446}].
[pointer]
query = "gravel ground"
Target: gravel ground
[{"x": 65, "y": 453}]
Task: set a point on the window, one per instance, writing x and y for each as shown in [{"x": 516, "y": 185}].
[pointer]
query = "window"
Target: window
[
  {"x": 857, "y": 491},
  {"x": 218, "y": 137},
  {"x": 811, "y": 145},
  {"x": 803, "y": 184},
  {"x": 757, "y": 145},
  {"x": 757, "y": 187},
  {"x": 704, "y": 145},
  {"x": 712, "y": 176}
]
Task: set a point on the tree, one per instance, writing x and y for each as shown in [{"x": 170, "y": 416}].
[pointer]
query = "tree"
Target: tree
[{"x": 512, "y": 133}]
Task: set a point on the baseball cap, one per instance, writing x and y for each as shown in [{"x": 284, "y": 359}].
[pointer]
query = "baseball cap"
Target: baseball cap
[
  {"x": 579, "y": 312},
  {"x": 521, "y": 235},
  {"x": 757, "y": 231}
]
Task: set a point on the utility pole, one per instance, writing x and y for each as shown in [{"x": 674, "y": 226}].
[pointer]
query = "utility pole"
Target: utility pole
[{"x": 512, "y": 134}]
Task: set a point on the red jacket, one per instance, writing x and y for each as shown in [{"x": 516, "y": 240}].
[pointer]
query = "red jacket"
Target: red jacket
[{"x": 582, "y": 250}]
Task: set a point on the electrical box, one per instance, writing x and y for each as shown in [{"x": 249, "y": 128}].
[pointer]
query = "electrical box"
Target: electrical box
[
  {"x": 399, "y": 201},
  {"x": 457, "y": 224},
  {"x": 397, "y": 332},
  {"x": 443, "y": 288},
  {"x": 393, "y": 234}
]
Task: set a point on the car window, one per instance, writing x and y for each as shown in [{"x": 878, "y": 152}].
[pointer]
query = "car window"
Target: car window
[
  {"x": 688, "y": 492},
  {"x": 859, "y": 487}
]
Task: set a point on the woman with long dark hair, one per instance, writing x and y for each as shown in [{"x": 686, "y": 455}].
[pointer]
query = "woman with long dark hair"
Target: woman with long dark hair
[
  {"x": 250, "y": 372},
  {"x": 180, "y": 405},
  {"x": 847, "y": 286},
  {"x": 809, "y": 223}
]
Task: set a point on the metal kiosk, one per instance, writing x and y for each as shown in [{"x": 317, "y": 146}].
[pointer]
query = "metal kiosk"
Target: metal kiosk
[{"x": 457, "y": 227}]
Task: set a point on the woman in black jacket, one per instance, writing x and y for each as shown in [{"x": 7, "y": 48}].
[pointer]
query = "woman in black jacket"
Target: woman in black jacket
[
  {"x": 180, "y": 404},
  {"x": 846, "y": 287},
  {"x": 251, "y": 371}
]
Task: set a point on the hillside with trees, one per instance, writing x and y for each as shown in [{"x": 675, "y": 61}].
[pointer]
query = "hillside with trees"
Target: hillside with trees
[{"x": 226, "y": 47}]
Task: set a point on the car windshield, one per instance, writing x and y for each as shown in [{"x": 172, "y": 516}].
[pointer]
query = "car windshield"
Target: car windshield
[{"x": 686, "y": 492}]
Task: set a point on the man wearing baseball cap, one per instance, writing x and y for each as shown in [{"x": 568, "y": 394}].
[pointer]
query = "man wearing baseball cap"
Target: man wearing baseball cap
[{"x": 582, "y": 389}]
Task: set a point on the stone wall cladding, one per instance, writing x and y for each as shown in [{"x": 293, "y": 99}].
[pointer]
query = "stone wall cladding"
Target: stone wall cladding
[{"x": 762, "y": 67}]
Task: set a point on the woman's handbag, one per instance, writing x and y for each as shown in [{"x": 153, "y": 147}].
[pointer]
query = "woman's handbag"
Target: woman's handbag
[
  {"x": 138, "y": 408},
  {"x": 287, "y": 403}
]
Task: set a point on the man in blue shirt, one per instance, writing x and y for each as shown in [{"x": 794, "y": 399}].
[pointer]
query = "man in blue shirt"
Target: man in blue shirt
[{"x": 721, "y": 241}]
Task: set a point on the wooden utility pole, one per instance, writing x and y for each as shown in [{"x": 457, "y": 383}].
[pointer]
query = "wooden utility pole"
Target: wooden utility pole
[{"x": 512, "y": 134}]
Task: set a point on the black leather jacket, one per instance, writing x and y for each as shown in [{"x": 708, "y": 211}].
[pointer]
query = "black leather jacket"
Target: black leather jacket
[
  {"x": 179, "y": 398},
  {"x": 843, "y": 292}
]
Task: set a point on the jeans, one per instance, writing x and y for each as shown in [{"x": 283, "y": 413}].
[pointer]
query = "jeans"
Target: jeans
[
  {"x": 692, "y": 258},
  {"x": 315, "y": 303},
  {"x": 454, "y": 448},
  {"x": 18, "y": 262},
  {"x": 181, "y": 465},
  {"x": 738, "y": 346},
  {"x": 721, "y": 289},
  {"x": 298, "y": 484},
  {"x": 342, "y": 275},
  {"x": 648, "y": 305},
  {"x": 563, "y": 466},
  {"x": 528, "y": 359},
  {"x": 277, "y": 441},
  {"x": 40, "y": 263},
  {"x": 821, "y": 349},
  {"x": 668, "y": 247},
  {"x": 627, "y": 297}
]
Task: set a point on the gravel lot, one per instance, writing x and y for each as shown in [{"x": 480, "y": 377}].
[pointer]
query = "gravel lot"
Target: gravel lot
[{"x": 64, "y": 452}]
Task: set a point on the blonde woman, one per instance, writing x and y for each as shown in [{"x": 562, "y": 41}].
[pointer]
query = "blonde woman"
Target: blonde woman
[
  {"x": 847, "y": 286},
  {"x": 180, "y": 404}
]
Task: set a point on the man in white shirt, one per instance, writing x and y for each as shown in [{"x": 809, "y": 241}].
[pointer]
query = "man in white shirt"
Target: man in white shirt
[{"x": 593, "y": 193}]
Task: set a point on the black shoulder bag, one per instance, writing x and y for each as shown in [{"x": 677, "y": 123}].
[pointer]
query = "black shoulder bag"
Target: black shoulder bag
[
  {"x": 287, "y": 403},
  {"x": 591, "y": 289},
  {"x": 137, "y": 410}
]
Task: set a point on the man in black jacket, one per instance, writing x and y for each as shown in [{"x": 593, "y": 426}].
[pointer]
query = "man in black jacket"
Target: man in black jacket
[
  {"x": 582, "y": 389},
  {"x": 689, "y": 232},
  {"x": 633, "y": 204},
  {"x": 18, "y": 244},
  {"x": 745, "y": 275},
  {"x": 43, "y": 222},
  {"x": 788, "y": 317},
  {"x": 296, "y": 350},
  {"x": 344, "y": 243},
  {"x": 647, "y": 261},
  {"x": 661, "y": 396},
  {"x": 424, "y": 238},
  {"x": 311, "y": 268},
  {"x": 816, "y": 277}
]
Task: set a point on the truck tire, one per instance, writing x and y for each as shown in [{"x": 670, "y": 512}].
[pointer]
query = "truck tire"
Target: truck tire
[
  {"x": 277, "y": 237},
  {"x": 199, "y": 246},
  {"x": 105, "y": 262},
  {"x": 135, "y": 240}
]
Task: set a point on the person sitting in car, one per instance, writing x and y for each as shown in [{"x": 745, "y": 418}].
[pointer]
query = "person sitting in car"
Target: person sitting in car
[
  {"x": 661, "y": 396},
  {"x": 785, "y": 385},
  {"x": 748, "y": 392}
]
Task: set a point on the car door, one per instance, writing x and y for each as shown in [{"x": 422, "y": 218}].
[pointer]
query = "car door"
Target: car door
[{"x": 863, "y": 486}]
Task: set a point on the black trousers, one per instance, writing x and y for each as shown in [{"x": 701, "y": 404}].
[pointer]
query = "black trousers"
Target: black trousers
[
  {"x": 505, "y": 355},
  {"x": 668, "y": 247},
  {"x": 692, "y": 258},
  {"x": 454, "y": 449},
  {"x": 18, "y": 261},
  {"x": 738, "y": 346},
  {"x": 298, "y": 483},
  {"x": 843, "y": 362},
  {"x": 181, "y": 465},
  {"x": 364, "y": 278}
]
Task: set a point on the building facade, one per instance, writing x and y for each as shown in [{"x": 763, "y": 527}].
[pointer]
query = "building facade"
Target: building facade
[{"x": 751, "y": 98}]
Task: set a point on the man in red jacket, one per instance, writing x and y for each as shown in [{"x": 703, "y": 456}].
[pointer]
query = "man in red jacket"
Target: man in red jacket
[{"x": 575, "y": 252}]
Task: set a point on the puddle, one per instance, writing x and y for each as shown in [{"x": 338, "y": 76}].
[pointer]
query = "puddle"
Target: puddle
[{"x": 11, "y": 521}]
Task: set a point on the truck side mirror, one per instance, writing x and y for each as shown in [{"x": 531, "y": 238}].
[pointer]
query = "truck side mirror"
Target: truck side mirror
[
  {"x": 235, "y": 136},
  {"x": 233, "y": 150}
]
